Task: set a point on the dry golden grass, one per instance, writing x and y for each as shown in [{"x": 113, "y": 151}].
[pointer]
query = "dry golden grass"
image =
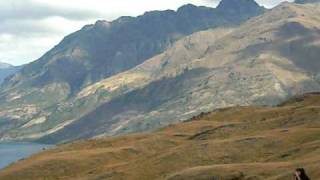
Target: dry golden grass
[{"x": 233, "y": 143}]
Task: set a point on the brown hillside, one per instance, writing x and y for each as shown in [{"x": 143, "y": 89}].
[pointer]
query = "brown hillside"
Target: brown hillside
[{"x": 234, "y": 143}]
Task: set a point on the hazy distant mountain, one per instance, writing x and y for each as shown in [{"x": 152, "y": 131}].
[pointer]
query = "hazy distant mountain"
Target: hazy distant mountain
[
  {"x": 306, "y": 1},
  {"x": 43, "y": 96},
  {"x": 5, "y": 65},
  {"x": 264, "y": 61},
  {"x": 7, "y": 70}
]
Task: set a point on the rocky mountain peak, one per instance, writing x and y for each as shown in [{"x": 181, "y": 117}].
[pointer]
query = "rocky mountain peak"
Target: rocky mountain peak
[
  {"x": 187, "y": 7},
  {"x": 191, "y": 10},
  {"x": 237, "y": 5},
  {"x": 102, "y": 23}
]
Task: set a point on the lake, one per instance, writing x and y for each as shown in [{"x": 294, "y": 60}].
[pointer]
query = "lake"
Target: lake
[{"x": 12, "y": 152}]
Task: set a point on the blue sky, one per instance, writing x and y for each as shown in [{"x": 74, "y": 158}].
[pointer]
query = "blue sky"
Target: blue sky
[{"x": 29, "y": 28}]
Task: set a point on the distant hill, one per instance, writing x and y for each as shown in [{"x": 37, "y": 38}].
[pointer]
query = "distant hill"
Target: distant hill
[
  {"x": 238, "y": 143},
  {"x": 5, "y": 65},
  {"x": 306, "y": 1},
  {"x": 7, "y": 70}
]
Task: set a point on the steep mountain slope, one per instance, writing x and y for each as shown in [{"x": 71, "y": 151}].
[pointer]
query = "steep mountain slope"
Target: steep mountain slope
[
  {"x": 264, "y": 61},
  {"x": 7, "y": 70},
  {"x": 238, "y": 143},
  {"x": 40, "y": 98}
]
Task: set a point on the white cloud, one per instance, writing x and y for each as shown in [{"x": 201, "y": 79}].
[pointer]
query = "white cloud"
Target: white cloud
[
  {"x": 270, "y": 3},
  {"x": 15, "y": 49},
  {"x": 26, "y": 40},
  {"x": 122, "y": 7},
  {"x": 29, "y": 28}
]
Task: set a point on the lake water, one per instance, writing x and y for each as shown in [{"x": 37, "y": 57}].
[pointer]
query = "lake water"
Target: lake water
[{"x": 12, "y": 152}]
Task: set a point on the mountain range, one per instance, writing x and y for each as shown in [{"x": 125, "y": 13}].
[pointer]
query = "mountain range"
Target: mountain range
[
  {"x": 43, "y": 96},
  {"x": 262, "y": 62},
  {"x": 143, "y": 73},
  {"x": 107, "y": 48}
]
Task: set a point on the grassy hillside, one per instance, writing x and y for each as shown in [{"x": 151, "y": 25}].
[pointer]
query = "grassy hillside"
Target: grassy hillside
[{"x": 232, "y": 144}]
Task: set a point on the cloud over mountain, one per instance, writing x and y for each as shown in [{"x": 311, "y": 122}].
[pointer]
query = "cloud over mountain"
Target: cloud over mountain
[{"x": 28, "y": 9}]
